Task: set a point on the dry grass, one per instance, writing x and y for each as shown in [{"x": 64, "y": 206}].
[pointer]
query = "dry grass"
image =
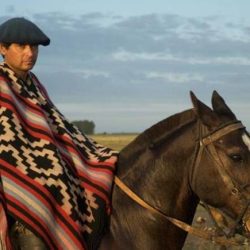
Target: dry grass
[{"x": 114, "y": 141}]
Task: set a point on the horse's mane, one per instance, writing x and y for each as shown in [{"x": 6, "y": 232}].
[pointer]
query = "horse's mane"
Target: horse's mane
[{"x": 158, "y": 132}]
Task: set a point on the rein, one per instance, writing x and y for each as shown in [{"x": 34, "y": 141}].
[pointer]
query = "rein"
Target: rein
[{"x": 207, "y": 140}]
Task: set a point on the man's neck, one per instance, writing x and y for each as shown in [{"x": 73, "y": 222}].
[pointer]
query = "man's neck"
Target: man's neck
[{"x": 21, "y": 74}]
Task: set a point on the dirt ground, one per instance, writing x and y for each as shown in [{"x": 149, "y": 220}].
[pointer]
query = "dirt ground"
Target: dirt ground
[{"x": 203, "y": 220}]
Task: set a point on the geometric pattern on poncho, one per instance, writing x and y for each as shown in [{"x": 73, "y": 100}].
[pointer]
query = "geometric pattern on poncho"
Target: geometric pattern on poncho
[{"x": 54, "y": 179}]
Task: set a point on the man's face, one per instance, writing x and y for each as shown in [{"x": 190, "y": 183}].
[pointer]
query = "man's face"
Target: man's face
[{"x": 20, "y": 58}]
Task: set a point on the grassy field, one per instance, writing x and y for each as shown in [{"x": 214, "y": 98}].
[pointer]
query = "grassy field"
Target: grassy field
[
  {"x": 114, "y": 141},
  {"x": 201, "y": 220}
]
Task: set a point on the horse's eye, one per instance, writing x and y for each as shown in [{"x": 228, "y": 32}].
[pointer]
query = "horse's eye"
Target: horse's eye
[{"x": 236, "y": 157}]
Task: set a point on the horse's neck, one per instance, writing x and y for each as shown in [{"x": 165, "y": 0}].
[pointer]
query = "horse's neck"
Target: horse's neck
[{"x": 161, "y": 176}]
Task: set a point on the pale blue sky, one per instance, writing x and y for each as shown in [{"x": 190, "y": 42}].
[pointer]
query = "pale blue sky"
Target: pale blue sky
[
  {"x": 233, "y": 9},
  {"x": 128, "y": 64}
]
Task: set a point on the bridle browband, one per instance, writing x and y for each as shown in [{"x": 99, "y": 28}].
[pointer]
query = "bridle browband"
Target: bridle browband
[{"x": 204, "y": 141}]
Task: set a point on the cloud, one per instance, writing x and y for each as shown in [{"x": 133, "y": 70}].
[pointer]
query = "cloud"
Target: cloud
[
  {"x": 106, "y": 61},
  {"x": 126, "y": 56},
  {"x": 98, "y": 34},
  {"x": 175, "y": 78}
]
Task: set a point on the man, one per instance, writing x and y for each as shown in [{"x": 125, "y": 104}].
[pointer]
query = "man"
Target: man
[{"x": 55, "y": 183}]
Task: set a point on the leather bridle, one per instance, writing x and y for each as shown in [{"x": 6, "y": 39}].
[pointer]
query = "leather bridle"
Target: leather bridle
[{"x": 206, "y": 144}]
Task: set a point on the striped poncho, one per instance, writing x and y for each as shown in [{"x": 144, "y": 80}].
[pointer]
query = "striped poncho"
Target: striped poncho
[{"x": 53, "y": 179}]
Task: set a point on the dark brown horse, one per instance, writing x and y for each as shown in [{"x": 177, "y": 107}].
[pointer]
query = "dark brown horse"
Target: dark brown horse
[{"x": 199, "y": 154}]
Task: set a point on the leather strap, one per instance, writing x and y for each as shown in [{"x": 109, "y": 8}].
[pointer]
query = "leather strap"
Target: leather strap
[
  {"x": 221, "y": 132},
  {"x": 180, "y": 224}
]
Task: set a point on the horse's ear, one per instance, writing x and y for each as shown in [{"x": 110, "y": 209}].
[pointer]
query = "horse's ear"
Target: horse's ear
[
  {"x": 203, "y": 112},
  {"x": 220, "y": 107}
]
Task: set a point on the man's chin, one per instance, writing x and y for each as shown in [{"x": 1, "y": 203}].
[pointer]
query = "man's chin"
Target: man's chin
[{"x": 28, "y": 66}]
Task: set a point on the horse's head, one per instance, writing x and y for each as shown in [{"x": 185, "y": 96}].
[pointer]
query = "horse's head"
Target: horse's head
[{"x": 220, "y": 174}]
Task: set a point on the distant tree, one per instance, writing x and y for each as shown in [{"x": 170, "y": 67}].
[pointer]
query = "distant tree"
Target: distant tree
[{"x": 85, "y": 126}]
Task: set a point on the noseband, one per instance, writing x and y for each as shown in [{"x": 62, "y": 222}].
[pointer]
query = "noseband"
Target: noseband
[{"x": 204, "y": 143}]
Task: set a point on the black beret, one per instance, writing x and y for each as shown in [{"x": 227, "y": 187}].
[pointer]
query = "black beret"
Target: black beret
[{"x": 22, "y": 31}]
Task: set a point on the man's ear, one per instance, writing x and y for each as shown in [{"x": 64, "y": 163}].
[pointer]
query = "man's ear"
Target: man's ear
[{"x": 2, "y": 50}]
